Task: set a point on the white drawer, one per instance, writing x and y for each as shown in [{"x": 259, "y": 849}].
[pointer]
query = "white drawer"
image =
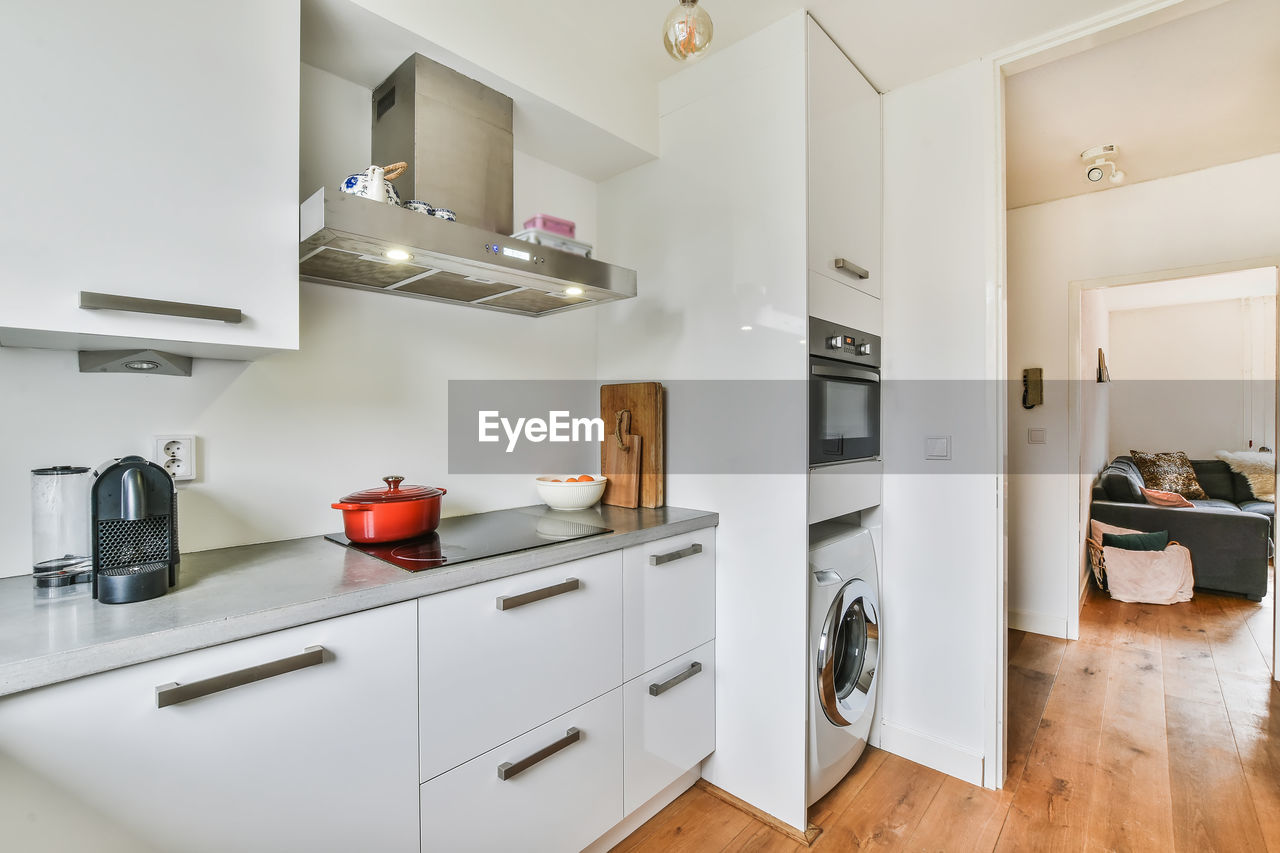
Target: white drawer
[
  {"x": 490, "y": 674},
  {"x": 561, "y": 803},
  {"x": 671, "y": 599},
  {"x": 265, "y": 766},
  {"x": 669, "y": 733}
]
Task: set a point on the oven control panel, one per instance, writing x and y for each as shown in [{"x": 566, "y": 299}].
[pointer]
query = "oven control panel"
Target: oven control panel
[
  {"x": 849, "y": 344},
  {"x": 829, "y": 340}
]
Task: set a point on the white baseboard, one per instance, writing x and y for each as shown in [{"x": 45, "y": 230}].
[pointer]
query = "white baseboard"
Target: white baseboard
[
  {"x": 1038, "y": 623},
  {"x": 941, "y": 755},
  {"x": 640, "y": 816}
]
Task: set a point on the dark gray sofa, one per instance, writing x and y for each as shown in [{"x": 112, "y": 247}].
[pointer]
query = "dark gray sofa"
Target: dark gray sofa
[{"x": 1229, "y": 535}]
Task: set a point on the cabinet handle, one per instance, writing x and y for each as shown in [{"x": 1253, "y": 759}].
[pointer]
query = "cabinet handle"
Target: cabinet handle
[
  {"x": 172, "y": 694},
  {"x": 659, "y": 689},
  {"x": 508, "y": 770},
  {"x": 851, "y": 268},
  {"x": 138, "y": 305},
  {"x": 508, "y": 602},
  {"x": 672, "y": 556}
]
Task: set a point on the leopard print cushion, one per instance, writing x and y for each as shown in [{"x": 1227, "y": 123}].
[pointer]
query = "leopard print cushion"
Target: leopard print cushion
[{"x": 1169, "y": 472}]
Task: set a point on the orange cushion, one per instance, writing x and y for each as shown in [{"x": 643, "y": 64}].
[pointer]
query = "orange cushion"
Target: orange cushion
[{"x": 1155, "y": 497}]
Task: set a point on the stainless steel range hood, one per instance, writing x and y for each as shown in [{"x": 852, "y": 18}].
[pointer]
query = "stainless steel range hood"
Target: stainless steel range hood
[
  {"x": 345, "y": 239},
  {"x": 456, "y": 135}
]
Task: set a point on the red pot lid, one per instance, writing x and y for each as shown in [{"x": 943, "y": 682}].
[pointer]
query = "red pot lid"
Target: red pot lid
[{"x": 393, "y": 491}]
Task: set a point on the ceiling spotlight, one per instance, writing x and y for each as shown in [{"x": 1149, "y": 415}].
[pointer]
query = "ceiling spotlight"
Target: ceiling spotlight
[
  {"x": 573, "y": 291},
  {"x": 687, "y": 31},
  {"x": 746, "y": 328},
  {"x": 397, "y": 255},
  {"x": 1096, "y": 170}
]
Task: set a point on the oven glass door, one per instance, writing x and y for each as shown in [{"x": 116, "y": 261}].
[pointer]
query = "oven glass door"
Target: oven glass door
[{"x": 844, "y": 412}]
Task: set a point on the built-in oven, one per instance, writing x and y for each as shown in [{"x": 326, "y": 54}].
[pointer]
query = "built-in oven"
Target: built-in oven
[{"x": 844, "y": 394}]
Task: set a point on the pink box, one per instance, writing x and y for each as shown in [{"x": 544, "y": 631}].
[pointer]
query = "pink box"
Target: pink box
[{"x": 543, "y": 222}]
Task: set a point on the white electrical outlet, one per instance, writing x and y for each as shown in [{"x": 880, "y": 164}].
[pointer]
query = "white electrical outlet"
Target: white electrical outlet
[{"x": 177, "y": 453}]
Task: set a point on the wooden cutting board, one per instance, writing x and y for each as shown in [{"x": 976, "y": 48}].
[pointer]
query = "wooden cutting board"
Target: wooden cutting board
[
  {"x": 621, "y": 464},
  {"x": 644, "y": 401}
]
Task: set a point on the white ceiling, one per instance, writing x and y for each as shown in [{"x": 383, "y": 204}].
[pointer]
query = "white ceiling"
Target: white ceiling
[
  {"x": 601, "y": 60},
  {"x": 1195, "y": 92},
  {"x": 893, "y": 42}
]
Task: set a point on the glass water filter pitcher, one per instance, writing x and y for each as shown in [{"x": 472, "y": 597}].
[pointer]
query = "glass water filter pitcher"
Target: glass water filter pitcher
[{"x": 61, "y": 533}]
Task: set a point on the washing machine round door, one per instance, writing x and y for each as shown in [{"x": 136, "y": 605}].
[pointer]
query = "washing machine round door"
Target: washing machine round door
[{"x": 849, "y": 654}]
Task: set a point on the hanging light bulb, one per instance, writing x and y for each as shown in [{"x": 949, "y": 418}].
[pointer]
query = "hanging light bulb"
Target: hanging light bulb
[{"x": 688, "y": 31}]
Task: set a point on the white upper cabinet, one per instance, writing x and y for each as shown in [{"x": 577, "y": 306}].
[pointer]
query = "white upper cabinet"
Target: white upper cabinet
[
  {"x": 845, "y": 210},
  {"x": 152, "y": 152}
]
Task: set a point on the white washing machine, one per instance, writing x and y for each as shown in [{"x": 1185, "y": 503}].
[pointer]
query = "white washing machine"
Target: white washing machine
[{"x": 844, "y": 650}]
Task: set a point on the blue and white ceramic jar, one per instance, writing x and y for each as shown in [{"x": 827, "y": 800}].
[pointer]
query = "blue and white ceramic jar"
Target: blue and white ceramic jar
[{"x": 375, "y": 183}]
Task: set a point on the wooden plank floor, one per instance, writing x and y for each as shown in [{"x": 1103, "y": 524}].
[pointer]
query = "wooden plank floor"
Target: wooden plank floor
[{"x": 1159, "y": 730}]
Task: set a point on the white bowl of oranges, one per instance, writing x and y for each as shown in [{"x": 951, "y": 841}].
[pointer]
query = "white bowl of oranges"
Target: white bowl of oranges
[{"x": 570, "y": 491}]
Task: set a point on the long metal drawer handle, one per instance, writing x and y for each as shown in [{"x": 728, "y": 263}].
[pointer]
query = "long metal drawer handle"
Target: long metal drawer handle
[
  {"x": 660, "y": 559},
  {"x": 659, "y": 689},
  {"x": 508, "y": 770},
  {"x": 138, "y": 305},
  {"x": 172, "y": 694},
  {"x": 851, "y": 268},
  {"x": 508, "y": 602}
]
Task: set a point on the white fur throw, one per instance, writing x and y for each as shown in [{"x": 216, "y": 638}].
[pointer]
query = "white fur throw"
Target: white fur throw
[{"x": 1258, "y": 468}]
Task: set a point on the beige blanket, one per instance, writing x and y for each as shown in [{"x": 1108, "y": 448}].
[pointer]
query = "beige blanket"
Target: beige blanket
[
  {"x": 1150, "y": 577},
  {"x": 1258, "y": 468}
]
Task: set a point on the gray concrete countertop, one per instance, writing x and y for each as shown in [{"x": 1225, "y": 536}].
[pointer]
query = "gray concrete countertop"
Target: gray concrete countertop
[{"x": 233, "y": 593}]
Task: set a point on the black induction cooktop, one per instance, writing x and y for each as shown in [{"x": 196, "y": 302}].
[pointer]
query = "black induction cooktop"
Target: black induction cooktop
[{"x": 488, "y": 534}]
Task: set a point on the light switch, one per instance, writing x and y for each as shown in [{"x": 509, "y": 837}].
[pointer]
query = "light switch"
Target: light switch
[
  {"x": 1036, "y": 435},
  {"x": 937, "y": 447}
]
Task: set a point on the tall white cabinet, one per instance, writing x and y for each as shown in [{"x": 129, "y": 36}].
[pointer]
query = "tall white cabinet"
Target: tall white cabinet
[
  {"x": 845, "y": 234},
  {"x": 845, "y": 183},
  {"x": 152, "y": 154},
  {"x": 770, "y": 170}
]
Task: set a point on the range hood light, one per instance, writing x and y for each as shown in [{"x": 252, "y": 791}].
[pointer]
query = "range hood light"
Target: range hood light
[
  {"x": 397, "y": 255},
  {"x": 142, "y": 365},
  {"x": 573, "y": 291}
]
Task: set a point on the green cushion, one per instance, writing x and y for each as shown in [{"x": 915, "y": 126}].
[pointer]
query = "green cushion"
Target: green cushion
[{"x": 1157, "y": 541}]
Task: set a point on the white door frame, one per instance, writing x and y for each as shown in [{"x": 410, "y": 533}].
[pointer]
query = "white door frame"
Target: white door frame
[
  {"x": 1076, "y": 359},
  {"x": 1076, "y": 38}
]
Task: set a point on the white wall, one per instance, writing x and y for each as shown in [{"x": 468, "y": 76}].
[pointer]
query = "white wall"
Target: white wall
[
  {"x": 282, "y": 438},
  {"x": 941, "y": 524},
  {"x": 587, "y": 83},
  {"x": 716, "y": 230},
  {"x": 1222, "y": 214},
  {"x": 1198, "y": 398}
]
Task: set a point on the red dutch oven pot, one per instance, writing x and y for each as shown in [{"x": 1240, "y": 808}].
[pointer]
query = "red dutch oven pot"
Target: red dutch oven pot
[{"x": 390, "y": 514}]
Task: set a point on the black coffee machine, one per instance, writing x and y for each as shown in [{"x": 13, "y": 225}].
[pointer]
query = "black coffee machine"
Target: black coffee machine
[{"x": 134, "y": 511}]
